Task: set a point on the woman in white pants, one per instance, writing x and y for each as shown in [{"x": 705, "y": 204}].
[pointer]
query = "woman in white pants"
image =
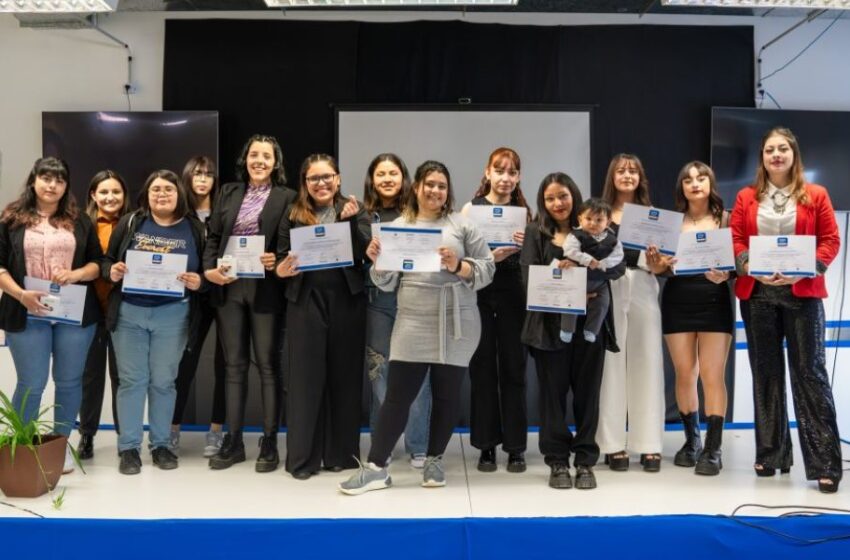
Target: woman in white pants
[{"x": 633, "y": 379}]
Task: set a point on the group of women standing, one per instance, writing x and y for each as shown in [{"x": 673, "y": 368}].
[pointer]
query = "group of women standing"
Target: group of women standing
[{"x": 471, "y": 315}]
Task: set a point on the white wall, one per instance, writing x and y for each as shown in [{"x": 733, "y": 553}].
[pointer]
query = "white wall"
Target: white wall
[{"x": 56, "y": 70}]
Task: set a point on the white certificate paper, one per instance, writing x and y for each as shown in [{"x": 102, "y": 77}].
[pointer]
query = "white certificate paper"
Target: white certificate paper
[
  {"x": 407, "y": 249},
  {"x": 498, "y": 223},
  {"x": 72, "y": 300},
  {"x": 557, "y": 290},
  {"x": 247, "y": 249},
  {"x": 642, "y": 226},
  {"x": 701, "y": 251},
  {"x": 791, "y": 255},
  {"x": 154, "y": 274},
  {"x": 322, "y": 246}
]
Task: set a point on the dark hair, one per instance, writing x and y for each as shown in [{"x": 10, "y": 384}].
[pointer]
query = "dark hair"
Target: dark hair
[
  {"x": 502, "y": 155},
  {"x": 798, "y": 180},
  {"x": 715, "y": 203},
  {"x": 99, "y": 177},
  {"x": 411, "y": 206},
  {"x": 23, "y": 211},
  {"x": 182, "y": 208},
  {"x": 303, "y": 211},
  {"x": 545, "y": 223},
  {"x": 203, "y": 163},
  {"x": 278, "y": 175},
  {"x": 609, "y": 191},
  {"x": 595, "y": 206},
  {"x": 371, "y": 200}
]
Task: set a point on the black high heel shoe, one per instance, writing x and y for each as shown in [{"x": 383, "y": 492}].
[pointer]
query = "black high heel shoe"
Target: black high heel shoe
[
  {"x": 764, "y": 472},
  {"x": 618, "y": 461},
  {"x": 828, "y": 485},
  {"x": 651, "y": 462}
]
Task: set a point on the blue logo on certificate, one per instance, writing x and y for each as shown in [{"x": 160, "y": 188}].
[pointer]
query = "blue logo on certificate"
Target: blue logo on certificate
[
  {"x": 243, "y": 242},
  {"x": 654, "y": 215},
  {"x": 557, "y": 274},
  {"x": 156, "y": 258},
  {"x": 54, "y": 288},
  {"x": 781, "y": 241},
  {"x": 320, "y": 231},
  {"x": 701, "y": 237},
  {"x": 407, "y": 264},
  {"x": 497, "y": 212}
]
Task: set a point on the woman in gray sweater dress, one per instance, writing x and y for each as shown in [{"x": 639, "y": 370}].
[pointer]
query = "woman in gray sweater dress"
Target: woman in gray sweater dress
[{"x": 437, "y": 328}]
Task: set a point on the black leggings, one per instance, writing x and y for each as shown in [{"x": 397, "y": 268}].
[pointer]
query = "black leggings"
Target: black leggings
[
  {"x": 101, "y": 352},
  {"x": 240, "y": 328},
  {"x": 404, "y": 380}
]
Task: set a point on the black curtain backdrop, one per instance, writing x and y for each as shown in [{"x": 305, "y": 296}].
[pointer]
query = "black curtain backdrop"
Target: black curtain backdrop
[{"x": 653, "y": 86}]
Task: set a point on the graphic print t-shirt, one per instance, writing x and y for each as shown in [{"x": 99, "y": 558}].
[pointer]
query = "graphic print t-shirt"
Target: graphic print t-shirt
[{"x": 173, "y": 239}]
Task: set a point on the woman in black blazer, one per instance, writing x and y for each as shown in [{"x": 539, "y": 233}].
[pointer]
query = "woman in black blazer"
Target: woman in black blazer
[
  {"x": 43, "y": 236},
  {"x": 250, "y": 310},
  {"x": 326, "y": 329}
]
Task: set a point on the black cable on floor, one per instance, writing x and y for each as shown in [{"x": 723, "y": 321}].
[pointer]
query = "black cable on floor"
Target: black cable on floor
[
  {"x": 807, "y": 511},
  {"x": 22, "y": 509}
]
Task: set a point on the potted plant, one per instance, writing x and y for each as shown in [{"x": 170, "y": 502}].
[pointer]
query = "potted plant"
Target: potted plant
[{"x": 31, "y": 457}]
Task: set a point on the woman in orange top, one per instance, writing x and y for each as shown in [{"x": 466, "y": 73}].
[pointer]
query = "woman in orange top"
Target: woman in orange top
[{"x": 108, "y": 200}]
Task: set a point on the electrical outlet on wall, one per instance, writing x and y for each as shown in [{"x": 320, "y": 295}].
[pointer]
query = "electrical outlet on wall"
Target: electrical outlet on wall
[{"x": 130, "y": 89}]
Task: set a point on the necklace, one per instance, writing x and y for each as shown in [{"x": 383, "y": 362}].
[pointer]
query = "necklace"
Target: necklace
[
  {"x": 780, "y": 201},
  {"x": 696, "y": 221}
]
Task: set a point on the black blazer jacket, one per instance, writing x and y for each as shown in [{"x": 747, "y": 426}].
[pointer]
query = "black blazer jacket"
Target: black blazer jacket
[
  {"x": 361, "y": 235},
  {"x": 268, "y": 298},
  {"x": 13, "y": 315}
]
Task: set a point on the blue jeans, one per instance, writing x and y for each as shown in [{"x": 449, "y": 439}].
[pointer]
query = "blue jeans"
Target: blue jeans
[
  {"x": 380, "y": 317},
  {"x": 149, "y": 343},
  {"x": 31, "y": 351}
]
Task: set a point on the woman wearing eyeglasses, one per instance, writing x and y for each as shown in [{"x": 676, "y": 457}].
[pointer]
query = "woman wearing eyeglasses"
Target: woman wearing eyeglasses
[
  {"x": 149, "y": 329},
  {"x": 199, "y": 175},
  {"x": 250, "y": 309},
  {"x": 326, "y": 324}
]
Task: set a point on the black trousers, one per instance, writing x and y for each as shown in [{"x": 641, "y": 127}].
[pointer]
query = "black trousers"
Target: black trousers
[
  {"x": 576, "y": 368},
  {"x": 497, "y": 369},
  {"x": 101, "y": 352},
  {"x": 326, "y": 338},
  {"x": 240, "y": 328},
  {"x": 772, "y": 314},
  {"x": 189, "y": 366},
  {"x": 404, "y": 380}
]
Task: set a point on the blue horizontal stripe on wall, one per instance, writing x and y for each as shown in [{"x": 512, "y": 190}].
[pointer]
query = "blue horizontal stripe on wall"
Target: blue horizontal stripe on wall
[
  {"x": 828, "y": 344},
  {"x": 829, "y": 324}
]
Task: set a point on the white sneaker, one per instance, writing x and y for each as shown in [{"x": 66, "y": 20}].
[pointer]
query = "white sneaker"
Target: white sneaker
[
  {"x": 174, "y": 440},
  {"x": 417, "y": 460},
  {"x": 70, "y": 465},
  {"x": 433, "y": 475},
  {"x": 213, "y": 443}
]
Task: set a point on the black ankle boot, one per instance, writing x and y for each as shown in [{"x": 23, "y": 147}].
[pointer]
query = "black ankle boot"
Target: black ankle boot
[
  {"x": 268, "y": 459},
  {"x": 232, "y": 451},
  {"x": 687, "y": 455},
  {"x": 709, "y": 462}
]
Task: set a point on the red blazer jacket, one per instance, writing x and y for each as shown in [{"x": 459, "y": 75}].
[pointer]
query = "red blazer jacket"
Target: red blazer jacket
[{"x": 815, "y": 218}]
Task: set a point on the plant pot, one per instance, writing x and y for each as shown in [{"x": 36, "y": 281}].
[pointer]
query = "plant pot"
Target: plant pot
[{"x": 23, "y": 478}]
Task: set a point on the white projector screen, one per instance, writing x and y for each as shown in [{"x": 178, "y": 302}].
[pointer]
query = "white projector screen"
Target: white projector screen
[{"x": 546, "y": 139}]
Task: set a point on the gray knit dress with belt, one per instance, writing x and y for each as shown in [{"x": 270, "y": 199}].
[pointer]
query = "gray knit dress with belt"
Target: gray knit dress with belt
[{"x": 438, "y": 320}]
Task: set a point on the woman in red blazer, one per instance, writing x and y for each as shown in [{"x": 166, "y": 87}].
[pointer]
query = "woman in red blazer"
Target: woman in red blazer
[{"x": 781, "y": 307}]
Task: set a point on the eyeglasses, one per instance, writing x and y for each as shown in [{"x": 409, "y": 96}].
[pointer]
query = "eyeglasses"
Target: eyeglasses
[
  {"x": 316, "y": 179},
  {"x": 209, "y": 174},
  {"x": 167, "y": 189}
]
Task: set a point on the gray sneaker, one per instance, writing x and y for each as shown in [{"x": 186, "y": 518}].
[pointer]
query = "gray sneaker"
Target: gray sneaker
[
  {"x": 368, "y": 477},
  {"x": 174, "y": 440},
  {"x": 214, "y": 440},
  {"x": 433, "y": 475}
]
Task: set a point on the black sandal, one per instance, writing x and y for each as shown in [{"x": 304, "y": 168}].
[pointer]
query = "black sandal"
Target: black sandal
[
  {"x": 828, "y": 485},
  {"x": 764, "y": 472},
  {"x": 618, "y": 461},
  {"x": 651, "y": 462}
]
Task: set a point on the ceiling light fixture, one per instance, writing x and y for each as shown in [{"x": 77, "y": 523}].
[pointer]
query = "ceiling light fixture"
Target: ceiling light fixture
[
  {"x": 382, "y": 3},
  {"x": 57, "y": 6},
  {"x": 793, "y": 4}
]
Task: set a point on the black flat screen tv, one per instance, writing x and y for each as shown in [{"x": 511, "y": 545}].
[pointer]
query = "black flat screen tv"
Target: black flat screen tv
[
  {"x": 824, "y": 138},
  {"x": 132, "y": 143}
]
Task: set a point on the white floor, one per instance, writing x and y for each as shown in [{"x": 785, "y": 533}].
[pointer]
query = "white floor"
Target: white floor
[{"x": 194, "y": 491}]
